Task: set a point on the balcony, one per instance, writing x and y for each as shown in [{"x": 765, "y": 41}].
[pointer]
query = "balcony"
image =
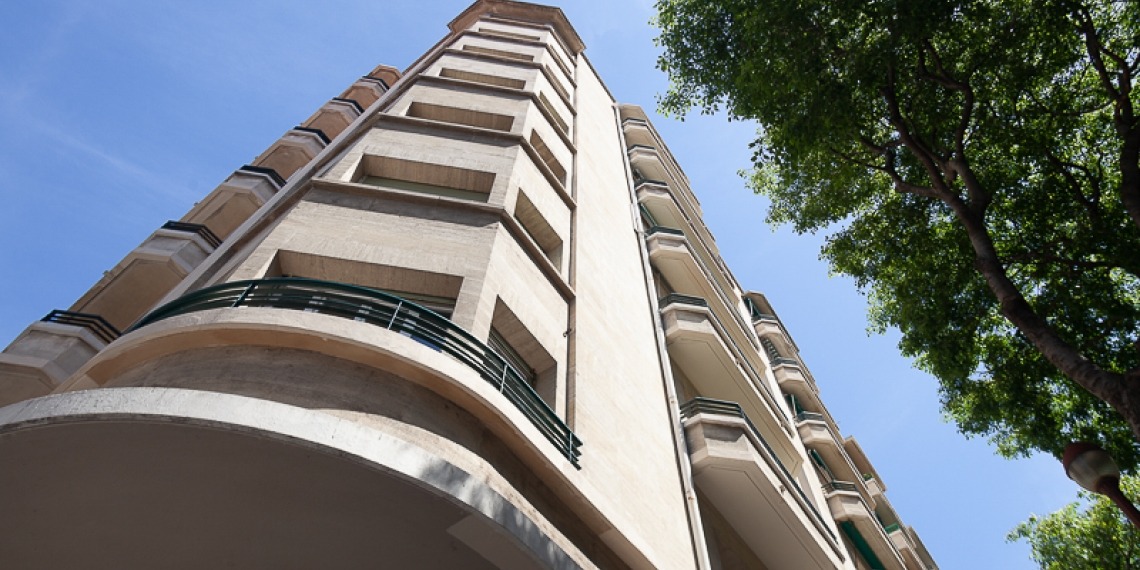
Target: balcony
[
  {"x": 875, "y": 485},
  {"x": 900, "y": 537},
  {"x": 791, "y": 379},
  {"x": 670, "y": 253},
  {"x": 741, "y": 475},
  {"x": 767, "y": 325},
  {"x": 390, "y": 312},
  {"x": 698, "y": 346},
  {"x": 293, "y": 151},
  {"x": 198, "y": 229},
  {"x": 236, "y": 199},
  {"x": 148, "y": 273},
  {"x": 817, "y": 435},
  {"x": 648, "y": 161},
  {"x": 637, "y": 132},
  {"x": 48, "y": 352},
  {"x": 858, "y": 523},
  {"x": 656, "y": 197}
]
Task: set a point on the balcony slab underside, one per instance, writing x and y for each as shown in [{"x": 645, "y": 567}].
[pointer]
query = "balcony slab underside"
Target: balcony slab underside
[
  {"x": 671, "y": 256},
  {"x": 733, "y": 474},
  {"x": 144, "y": 477}
]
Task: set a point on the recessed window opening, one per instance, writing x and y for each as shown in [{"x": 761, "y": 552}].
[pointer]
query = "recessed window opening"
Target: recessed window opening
[
  {"x": 556, "y": 84},
  {"x": 539, "y": 230},
  {"x": 821, "y": 467},
  {"x": 498, "y": 52},
  {"x": 547, "y": 156},
  {"x": 647, "y": 217},
  {"x": 506, "y": 34},
  {"x": 546, "y": 106},
  {"x": 503, "y": 348},
  {"x": 426, "y": 178},
  {"x": 794, "y": 404},
  {"x": 483, "y": 78},
  {"x": 458, "y": 116},
  {"x": 770, "y": 348},
  {"x": 662, "y": 285},
  {"x": 435, "y": 291},
  {"x": 510, "y": 339}
]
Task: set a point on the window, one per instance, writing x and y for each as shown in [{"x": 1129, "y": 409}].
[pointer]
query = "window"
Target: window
[
  {"x": 547, "y": 157},
  {"x": 426, "y": 178},
  {"x": 483, "y": 78},
  {"x": 546, "y": 106},
  {"x": 539, "y": 230},
  {"x": 821, "y": 467},
  {"x": 458, "y": 116},
  {"x": 498, "y": 53},
  {"x": 512, "y": 35},
  {"x": 503, "y": 348},
  {"x": 512, "y": 340}
]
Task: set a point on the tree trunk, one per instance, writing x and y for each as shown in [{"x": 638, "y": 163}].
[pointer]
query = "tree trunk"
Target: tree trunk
[{"x": 1121, "y": 391}]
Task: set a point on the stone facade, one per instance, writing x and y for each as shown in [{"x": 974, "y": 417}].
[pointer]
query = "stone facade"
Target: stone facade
[{"x": 464, "y": 315}]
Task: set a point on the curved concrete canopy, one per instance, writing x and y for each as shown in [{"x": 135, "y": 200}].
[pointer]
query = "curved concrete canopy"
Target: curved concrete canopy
[{"x": 157, "y": 477}]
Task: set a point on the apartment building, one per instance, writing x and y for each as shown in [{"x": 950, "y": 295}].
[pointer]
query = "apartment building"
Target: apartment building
[{"x": 466, "y": 315}]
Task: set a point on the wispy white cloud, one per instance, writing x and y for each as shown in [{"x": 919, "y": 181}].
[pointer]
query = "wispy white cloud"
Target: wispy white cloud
[{"x": 123, "y": 167}]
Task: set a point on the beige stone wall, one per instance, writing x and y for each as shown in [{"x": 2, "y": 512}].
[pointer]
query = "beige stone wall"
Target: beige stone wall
[{"x": 619, "y": 394}]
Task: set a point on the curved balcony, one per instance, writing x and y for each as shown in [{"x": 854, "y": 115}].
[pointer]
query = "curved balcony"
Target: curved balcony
[
  {"x": 393, "y": 313},
  {"x": 151, "y": 475}
]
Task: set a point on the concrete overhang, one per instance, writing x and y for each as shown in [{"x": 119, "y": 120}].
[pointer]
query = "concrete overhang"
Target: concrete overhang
[
  {"x": 159, "y": 477},
  {"x": 698, "y": 348},
  {"x": 739, "y": 478},
  {"x": 523, "y": 12},
  {"x": 818, "y": 435},
  {"x": 848, "y": 505}
]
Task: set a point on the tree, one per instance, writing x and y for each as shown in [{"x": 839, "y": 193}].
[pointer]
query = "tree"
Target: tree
[
  {"x": 978, "y": 165},
  {"x": 1097, "y": 538}
]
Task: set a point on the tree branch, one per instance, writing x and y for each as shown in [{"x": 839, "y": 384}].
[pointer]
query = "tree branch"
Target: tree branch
[
  {"x": 1092, "y": 205},
  {"x": 920, "y": 151},
  {"x": 1039, "y": 257},
  {"x": 1122, "y": 111}
]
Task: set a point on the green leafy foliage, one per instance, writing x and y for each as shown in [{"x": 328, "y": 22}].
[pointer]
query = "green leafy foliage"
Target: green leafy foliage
[
  {"x": 971, "y": 163},
  {"x": 1095, "y": 538}
]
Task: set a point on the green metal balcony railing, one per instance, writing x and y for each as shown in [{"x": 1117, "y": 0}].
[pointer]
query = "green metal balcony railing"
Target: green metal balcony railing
[
  {"x": 809, "y": 416},
  {"x": 393, "y": 313},
  {"x": 663, "y": 230},
  {"x": 682, "y": 299},
  {"x": 833, "y": 486},
  {"x": 721, "y": 407},
  {"x": 94, "y": 323},
  {"x": 784, "y": 360}
]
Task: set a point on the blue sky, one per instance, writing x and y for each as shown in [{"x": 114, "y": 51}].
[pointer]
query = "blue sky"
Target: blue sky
[{"x": 118, "y": 115}]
